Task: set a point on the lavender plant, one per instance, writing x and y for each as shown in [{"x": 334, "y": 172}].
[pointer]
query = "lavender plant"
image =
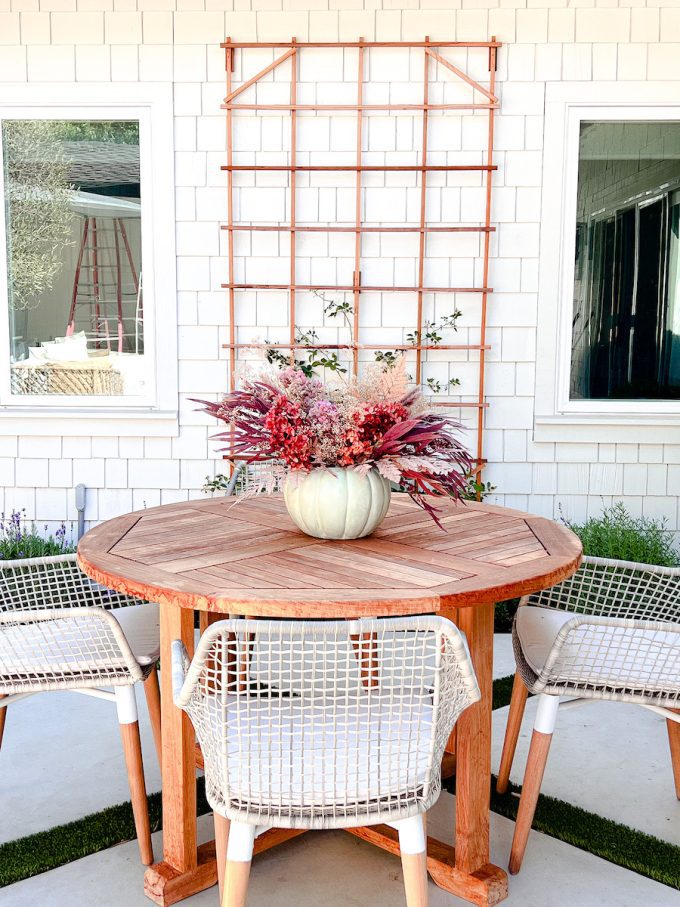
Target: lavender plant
[{"x": 21, "y": 539}]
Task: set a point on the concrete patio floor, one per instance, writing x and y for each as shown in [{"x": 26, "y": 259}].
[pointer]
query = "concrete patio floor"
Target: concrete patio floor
[
  {"x": 63, "y": 760},
  {"x": 335, "y": 869}
]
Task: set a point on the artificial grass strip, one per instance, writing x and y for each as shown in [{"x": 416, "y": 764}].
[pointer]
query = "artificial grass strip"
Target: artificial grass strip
[
  {"x": 49, "y": 849},
  {"x": 46, "y": 850},
  {"x": 619, "y": 844},
  {"x": 614, "y": 842}
]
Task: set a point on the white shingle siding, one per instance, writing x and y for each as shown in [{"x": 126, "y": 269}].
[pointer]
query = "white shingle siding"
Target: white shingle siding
[{"x": 150, "y": 40}]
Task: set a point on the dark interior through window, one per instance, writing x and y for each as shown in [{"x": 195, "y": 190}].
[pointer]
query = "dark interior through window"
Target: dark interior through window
[{"x": 626, "y": 317}]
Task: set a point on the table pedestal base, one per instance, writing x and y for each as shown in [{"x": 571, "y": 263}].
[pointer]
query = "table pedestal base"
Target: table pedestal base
[
  {"x": 486, "y": 886},
  {"x": 165, "y": 885}
]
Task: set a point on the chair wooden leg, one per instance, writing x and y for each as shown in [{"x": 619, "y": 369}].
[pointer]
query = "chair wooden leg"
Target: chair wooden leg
[
  {"x": 153, "y": 701},
  {"x": 533, "y": 777},
  {"x": 518, "y": 701},
  {"x": 413, "y": 847},
  {"x": 674, "y": 742},
  {"x": 221, "y": 839},
  {"x": 414, "y": 866},
  {"x": 239, "y": 856},
  {"x": 236, "y": 884},
  {"x": 3, "y": 719},
  {"x": 132, "y": 749}
]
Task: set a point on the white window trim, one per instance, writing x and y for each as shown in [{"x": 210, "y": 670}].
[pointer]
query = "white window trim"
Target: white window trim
[
  {"x": 557, "y": 417},
  {"x": 152, "y": 104}
]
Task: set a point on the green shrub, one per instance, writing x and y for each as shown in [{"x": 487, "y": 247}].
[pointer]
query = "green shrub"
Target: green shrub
[
  {"x": 505, "y": 612},
  {"x": 19, "y": 539},
  {"x": 617, "y": 534}
]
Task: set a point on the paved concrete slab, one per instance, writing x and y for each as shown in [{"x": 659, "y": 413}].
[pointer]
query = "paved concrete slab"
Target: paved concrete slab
[
  {"x": 503, "y": 657},
  {"x": 335, "y": 869}
]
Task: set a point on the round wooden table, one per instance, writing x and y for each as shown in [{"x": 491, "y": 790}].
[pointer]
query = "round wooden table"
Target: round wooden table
[{"x": 217, "y": 556}]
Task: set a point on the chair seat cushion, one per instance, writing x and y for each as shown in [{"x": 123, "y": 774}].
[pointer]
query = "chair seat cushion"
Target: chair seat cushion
[
  {"x": 141, "y": 626},
  {"x": 599, "y": 654},
  {"x": 537, "y": 630},
  {"x": 289, "y": 752}
]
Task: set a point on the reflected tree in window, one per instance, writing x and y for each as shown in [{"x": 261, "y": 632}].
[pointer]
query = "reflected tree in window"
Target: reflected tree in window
[{"x": 37, "y": 199}]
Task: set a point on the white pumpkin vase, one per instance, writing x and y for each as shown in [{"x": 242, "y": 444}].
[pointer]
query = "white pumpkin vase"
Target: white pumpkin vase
[{"x": 337, "y": 503}]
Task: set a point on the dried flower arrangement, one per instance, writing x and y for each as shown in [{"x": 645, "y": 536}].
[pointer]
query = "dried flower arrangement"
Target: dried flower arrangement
[{"x": 296, "y": 423}]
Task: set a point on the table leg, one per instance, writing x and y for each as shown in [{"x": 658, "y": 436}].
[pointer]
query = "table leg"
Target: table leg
[
  {"x": 473, "y": 778},
  {"x": 184, "y": 870},
  {"x": 473, "y": 768}
]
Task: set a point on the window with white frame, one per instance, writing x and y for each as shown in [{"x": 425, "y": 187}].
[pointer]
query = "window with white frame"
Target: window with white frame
[
  {"x": 87, "y": 252},
  {"x": 625, "y": 327},
  {"x": 608, "y": 322}
]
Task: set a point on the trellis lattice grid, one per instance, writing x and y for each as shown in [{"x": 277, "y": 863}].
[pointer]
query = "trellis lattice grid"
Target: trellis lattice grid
[{"x": 318, "y": 136}]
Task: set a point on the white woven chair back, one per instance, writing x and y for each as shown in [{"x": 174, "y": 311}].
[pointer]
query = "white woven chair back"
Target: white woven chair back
[
  {"x": 55, "y": 629},
  {"x": 53, "y": 582},
  {"x": 623, "y": 641},
  {"x": 611, "y": 588},
  {"x": 325, "y": 724}
]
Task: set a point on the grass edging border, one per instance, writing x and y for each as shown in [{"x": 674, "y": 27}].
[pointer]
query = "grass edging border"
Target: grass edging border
[
  {"x": 46, "y": 850},
  {"x": 619, "y": 844}
]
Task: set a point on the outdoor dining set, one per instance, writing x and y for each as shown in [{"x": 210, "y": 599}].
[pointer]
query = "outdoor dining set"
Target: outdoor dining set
[{"x": 331, "y": 684}]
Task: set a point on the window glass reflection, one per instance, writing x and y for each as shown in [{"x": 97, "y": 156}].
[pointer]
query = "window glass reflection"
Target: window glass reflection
[{"x": 73, "y": 215}]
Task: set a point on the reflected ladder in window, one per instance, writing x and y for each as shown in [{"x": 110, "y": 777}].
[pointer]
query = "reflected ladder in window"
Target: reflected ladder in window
[{"x": 106, "y": 284}]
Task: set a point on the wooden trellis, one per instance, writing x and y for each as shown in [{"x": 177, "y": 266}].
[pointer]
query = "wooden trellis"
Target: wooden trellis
[{"x": 483, "y": 98}]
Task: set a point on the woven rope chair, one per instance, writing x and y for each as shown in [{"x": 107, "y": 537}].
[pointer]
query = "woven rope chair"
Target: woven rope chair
[
  {"x": 323, "y": 724},
  {"x": 61, "y": 631},
  {"x": 612, "y": 632}
]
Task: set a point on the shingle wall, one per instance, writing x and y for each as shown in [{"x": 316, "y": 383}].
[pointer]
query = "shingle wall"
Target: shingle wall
[{"x": 159, "y": 40}]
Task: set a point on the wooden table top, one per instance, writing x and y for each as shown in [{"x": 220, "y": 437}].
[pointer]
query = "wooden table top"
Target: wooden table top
[{"x": 249, "y": 558}]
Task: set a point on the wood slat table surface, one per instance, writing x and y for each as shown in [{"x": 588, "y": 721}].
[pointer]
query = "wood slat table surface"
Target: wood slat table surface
[{"x": 218, "y": 556}]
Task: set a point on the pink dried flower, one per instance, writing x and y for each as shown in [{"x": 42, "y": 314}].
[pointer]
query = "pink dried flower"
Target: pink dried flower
[
  {"x": 299, "y": 388},
  {"x": 288, "y": 440},
  {"x": 372, "y": 422}
]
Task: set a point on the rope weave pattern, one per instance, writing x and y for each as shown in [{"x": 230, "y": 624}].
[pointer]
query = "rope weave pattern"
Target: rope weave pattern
[
  {"x": 48, "y": 582},
  {"x": 322, "y": 724},
  {"x": 623, "y": 642},
  {"x": 56, "y": 631}
]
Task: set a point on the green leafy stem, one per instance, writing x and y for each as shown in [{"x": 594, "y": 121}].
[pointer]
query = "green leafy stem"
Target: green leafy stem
[{"x": 317, "y": 356}]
